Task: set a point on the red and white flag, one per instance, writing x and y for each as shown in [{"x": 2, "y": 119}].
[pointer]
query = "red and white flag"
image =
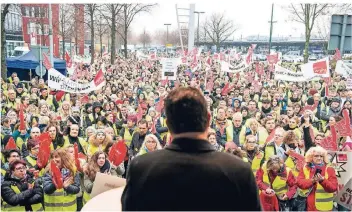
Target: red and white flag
[
  {"x": 209, "y": 61},
  {"x": 249, "y": 55},
  {"x": 152, "y": 56},
  {"x": 46, "y": 62},
  {"x": 68, "y": 60}
]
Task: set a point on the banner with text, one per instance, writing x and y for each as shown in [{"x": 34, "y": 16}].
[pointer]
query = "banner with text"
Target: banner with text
[
  {"x": 344, "y": 197},
  {"x": 284, "y": 74},
  {"x": 344, "y": 68},
  {"x": 169, "y": 70},
  {"x": 319, "y": 68},
  {"x": 59, "y": 82}
]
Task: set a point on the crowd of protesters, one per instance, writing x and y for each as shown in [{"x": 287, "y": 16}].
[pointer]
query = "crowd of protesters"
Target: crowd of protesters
[{"x": 279, "y": 128}]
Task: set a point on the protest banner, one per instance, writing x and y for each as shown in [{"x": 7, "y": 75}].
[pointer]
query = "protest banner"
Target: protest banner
[
  {"x": 284, "y": 74},
  {"x": 349, "y": 83},
  {"x": 319, "y": 68},
  {"x": 227, "y": 67},
  {"x": 104, "y": 182},
  {"x": 169, "y": 69},
  {"x": 343, "y": 68},
  {"x": 59, "y": 82},
  {"x": 341, "y": 162},
  {"x": 344, "y": 197}
]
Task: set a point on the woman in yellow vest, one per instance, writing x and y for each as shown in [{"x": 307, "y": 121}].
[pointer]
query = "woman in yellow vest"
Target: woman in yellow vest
[
  {"x": 274, "y": 177},
  {"x": 98, "y": 142},
  {"x": 254, "y": 156},
  {"x": 290, "y": 144},
  {"x": 98, "y": 163},
  {"x": 19, "y": 191},
  {"x": 57, "y": 139},
  {"x": 72, "y": 137},
  {"x": 317, "y": 181},
  {"x": 63, "y": 199}
]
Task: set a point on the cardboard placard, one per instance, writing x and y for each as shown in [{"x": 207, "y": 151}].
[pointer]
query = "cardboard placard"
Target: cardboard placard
[{"x": 104, "y": 182}]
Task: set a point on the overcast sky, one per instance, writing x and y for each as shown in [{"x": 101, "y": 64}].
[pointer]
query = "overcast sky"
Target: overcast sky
[{"x": 251, "y": 20}]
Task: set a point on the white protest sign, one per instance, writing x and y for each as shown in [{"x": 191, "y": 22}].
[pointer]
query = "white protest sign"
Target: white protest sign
[
  {"x": 227, "y": 67},
  {"x": 319, "y": 68},
  {"x": 341, "y": 162},
  {"x": 104, "y": 182},
  {"x": 169, "y": 69},
  {"x": 344, "y": 197},
  {"x": 349, "y": 83},
  {"x": 284, "y": 74},
  {"x": 343, "y": 68},
  {"x": 59, "y": 82}
]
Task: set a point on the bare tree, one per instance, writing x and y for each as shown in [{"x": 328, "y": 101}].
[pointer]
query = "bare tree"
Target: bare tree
[
  {"x": 129, "y": 11},
  {"x": 145, "y": 38},
  {"x": 4, "y": 11},
  {"x": 102, "y": 29},
  {"x": 111, "y": 12},
  {"x": 65, "y": 22},
  {"x": 219, "y": 28},
  {"x": 90, "y": 11},
  {"x": 307, "y": 14}
]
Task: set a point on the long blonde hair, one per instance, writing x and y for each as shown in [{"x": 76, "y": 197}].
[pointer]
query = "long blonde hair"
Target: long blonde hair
[{"x": 66, "y": 160}]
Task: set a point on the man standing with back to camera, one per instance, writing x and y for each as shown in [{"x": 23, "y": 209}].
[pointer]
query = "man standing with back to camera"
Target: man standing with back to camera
[{"x": 189, "y": 174}]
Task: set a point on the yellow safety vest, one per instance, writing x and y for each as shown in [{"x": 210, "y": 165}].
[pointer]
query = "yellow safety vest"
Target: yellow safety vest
[
  {"x": 323, "y": 199},
  {"x": 256, "y": 162},
  {"x": 115, "y": 129},
  {"x": 8, "y": 207},
  {"x": 269, "y": 151},
  {"x": 279, "y": 184},
  {"x": 93, "y": 149},
  {"x": 86, "y": 197},
  {"x": 50, "y": 101},
  {"x": 83, "y": 143},
  {"x": 163, "y": 124},
  {"x": 292, "y": 165},
  {"x": 3, "y": 172},
  {"x": 127, "y": 137},
  {"x": 31, "y": 161},
  {"x": 12, "y": 105},
  {"x": 66, "y": 144},
  {"x": 60, "y": 201},
  {"x": 20, "y": 142}
]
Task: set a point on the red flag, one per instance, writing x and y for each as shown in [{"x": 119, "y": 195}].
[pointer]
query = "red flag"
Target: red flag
[
  {"x": 343, "y": 126},
  {"x": 310, "y": 107},
  {"x": 299, "y": 159},
  {"x": 118, "y": 152},
  {"x": 44, "y": 150},
  {"x": 78, "y": 164},
  {"x": 272, "y": 58},
  {"x": 56, "y": 175},
  {"x": 329, "y": 143},
  {"x": 152, "y": 56},
  {"x": 184, "y": 59},
  {"x": 216, "y": 56},
  {"x": 165, "y": 82},
  {"x": 85, "y": 99},
  {"x": 153, "y": 130},
  {"x": 337, "y": 55},
  {"x": 68, "y": 60},
  {"x": 139, "y": 112},
  {"x": 11, "y": 144},
  {"x": 46, "y": 62},
  {"x": 249, "y": 55},
  {"x": 59, "y": 95},
  {"x": 271, "y": 136},
  {"x": 226, "y": 89},
  {"x": 21, "y": 117},
  {"x": 99, "y": 78}
]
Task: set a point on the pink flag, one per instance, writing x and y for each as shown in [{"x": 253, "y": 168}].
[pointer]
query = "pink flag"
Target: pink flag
[
  {"x": 337, "y": 55},
  {"x": 46, "y": 62},
  {"x": 343, "y": 126},
  {"x": 68, "y": 60}
]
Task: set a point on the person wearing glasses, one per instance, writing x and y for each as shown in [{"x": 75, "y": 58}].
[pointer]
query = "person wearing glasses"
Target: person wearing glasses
[
  {"x": 150, "y": 144},
  {"x": 275, "y": 178},
  {"x": 253, "y": 155},
  {"x": 317, "y": 181},
  {"x": 10, "y": 156},
  {"x": 19, "y": 191}
]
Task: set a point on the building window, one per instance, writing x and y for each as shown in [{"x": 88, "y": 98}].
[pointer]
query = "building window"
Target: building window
[
  {"x": 32, "y": 12},
  {"x": 36, "y": 12},
  {"x": 46, "y": 29}
]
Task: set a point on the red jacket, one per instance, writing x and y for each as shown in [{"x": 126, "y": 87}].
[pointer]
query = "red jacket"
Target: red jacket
[
  {"x": 330, "y": 185},
  {"x": 291, "y": 181}
]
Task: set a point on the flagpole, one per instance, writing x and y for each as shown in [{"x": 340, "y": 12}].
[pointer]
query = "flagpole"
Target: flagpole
[{"x": 51, "y": 36}]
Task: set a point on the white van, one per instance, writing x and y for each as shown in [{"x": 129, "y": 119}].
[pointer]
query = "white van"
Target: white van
[{"x": 19, "y": 51}]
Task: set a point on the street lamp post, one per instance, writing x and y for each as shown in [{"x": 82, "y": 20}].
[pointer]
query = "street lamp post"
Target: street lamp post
[
  {"x": 271, "y": 26},
  {"x": 198, "y": 25},
  {"x": 167, "y": 32}
]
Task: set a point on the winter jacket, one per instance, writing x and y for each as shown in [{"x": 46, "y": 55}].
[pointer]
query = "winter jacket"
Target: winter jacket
[
  {"x": 27, "y": 197},
  {"x": 329, "y": 184}
]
